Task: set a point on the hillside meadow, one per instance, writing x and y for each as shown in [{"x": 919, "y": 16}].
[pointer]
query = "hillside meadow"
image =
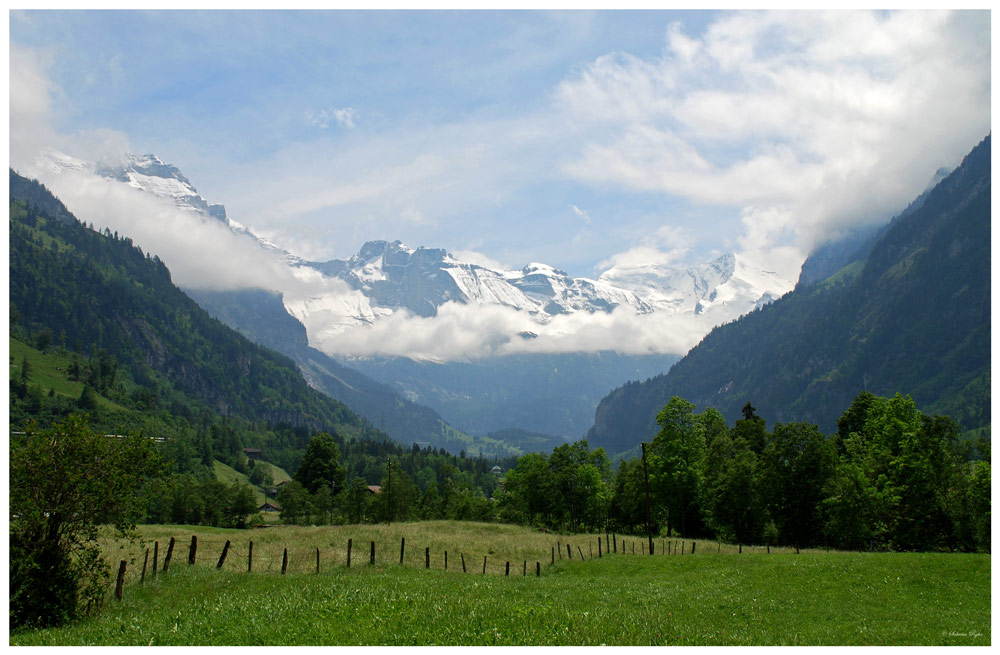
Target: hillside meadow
[{"x": 717, "y": 596}]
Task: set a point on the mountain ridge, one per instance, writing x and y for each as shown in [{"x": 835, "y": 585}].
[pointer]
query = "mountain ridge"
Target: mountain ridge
[
  {"x": 915, "y": 320},
  {"x": 385, "y": 277}
]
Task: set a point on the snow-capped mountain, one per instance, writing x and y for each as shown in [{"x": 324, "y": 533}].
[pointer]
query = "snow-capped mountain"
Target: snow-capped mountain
[
  {"x": 149, "y": 173},
  {"x": 144, "y": 172},
  {"x": 384, "y": 277},
  {"x": 393, "y": 275},
  {"x": 728, "y": 287}
]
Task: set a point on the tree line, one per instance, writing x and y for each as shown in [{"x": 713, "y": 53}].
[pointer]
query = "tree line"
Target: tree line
[{"x": 891, "y": 478}]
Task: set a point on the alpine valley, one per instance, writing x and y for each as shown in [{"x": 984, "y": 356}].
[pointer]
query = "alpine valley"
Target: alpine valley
[{"x": 532, "y": 377}]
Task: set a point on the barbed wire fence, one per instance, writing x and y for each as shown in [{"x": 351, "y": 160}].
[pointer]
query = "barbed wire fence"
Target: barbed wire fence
[{"x": 157, "y": 559}]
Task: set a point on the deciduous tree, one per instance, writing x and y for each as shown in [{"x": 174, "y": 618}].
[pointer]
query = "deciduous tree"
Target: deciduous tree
[{"x": 65, "y": 482}]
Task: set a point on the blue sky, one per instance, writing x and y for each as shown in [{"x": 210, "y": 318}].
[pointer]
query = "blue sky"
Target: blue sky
[{"x": 579, "y": 139}]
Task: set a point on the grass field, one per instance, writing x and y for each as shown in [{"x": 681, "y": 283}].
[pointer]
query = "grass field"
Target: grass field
[
  {"x": 710, "y": 598},
  {"x": 227, "y": 474},
  {"x": 48, "y": 371}
]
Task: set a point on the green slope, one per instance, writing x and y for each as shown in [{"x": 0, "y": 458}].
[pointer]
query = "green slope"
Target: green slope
[
  {"x": 913, "y": 318},
  {"x": 104, "y": 294}
]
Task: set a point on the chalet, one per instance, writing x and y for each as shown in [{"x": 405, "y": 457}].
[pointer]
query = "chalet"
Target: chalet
[
  {"x": 268, "y": 506},
  {"x": 374, "y": 489},
  {"x": 496, "y": 470},
  {"x": 252, "y": 453}
]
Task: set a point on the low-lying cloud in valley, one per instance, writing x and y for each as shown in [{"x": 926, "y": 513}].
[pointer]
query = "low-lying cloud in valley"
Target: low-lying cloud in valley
[{"x": 468, "y": 332}]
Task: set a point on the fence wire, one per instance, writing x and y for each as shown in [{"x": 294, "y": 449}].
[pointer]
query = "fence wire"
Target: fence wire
[{"x": 148, "y": 561}]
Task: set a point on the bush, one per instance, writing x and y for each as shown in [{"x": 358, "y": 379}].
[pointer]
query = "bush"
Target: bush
[{"x": 65, "y": 482}]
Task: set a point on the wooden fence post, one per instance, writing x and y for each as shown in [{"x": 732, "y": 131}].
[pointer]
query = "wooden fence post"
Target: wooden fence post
[
  {"x": 156, "y": 555},
  {"x": 507, "y": 573},
  {"x": 402, "y": 549},
  {"x": 484, "y": 564},
  {"x": 741, "y": 549},
  {"x": 599, "y": 549},
  {"x": 538, "y": 569},
  {"x": 222, "y": 557},
  {"x": 682, "y": 548},
  {"x": 559, "y": 548},
  {"x": 642, "y": 547},
  {"x": 524, "y": 573},
  {"x": 553, "y": 554},
  {"x": 615, "y": 542},
  {"x": 591, "y": 547},
  {"x": 250, "y": 558},
  {"x": 579, "y": 550},
  {"x": 769, "y": 549},
  {"x": 170, "y": 552},
  {"x": 462, "y": 555},
  {"x": 693, "y": 544},
  {"x": 349, "y": 541},
  {"x": 371, "y": 560},
  {"x": 569, "y": 553},
  {"x": 120, "y": 582},
  {"x": 284, "y": 562},
  {"x": 145, "y": 561},
  {"x": 192, "y": 550},
  {"x": 427, "y": 557}
]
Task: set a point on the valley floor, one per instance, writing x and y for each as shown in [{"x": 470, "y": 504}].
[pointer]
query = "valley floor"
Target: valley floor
[{"x": 710, "y": 598}]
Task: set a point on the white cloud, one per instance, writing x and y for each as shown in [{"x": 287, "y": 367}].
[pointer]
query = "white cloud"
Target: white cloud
[
  {"x": 468, "y": 332},
  {"x": 200, "y": 252},
  {"x": 30, "y": 104},
  {"x": 34, "y": 104},
  {"x": 342, "y": 116},
  {"x": 796, "y": 117},
  {"x": 667, "y": 246},
  {"x": 582, "y": 213},
  {"x": 479, "y": 259},
  {"x": 799, "y": 123}
]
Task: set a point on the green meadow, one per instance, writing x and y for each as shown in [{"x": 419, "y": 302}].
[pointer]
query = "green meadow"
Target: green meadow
[{"x": 715, "y": 597}]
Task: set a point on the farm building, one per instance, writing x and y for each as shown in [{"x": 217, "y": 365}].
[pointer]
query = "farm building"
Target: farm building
[
  {"x": 252, "y": 453},
  {"x": 268, "y": 506}
]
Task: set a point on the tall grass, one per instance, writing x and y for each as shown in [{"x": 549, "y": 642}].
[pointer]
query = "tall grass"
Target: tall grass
[
  {"x": 498, "y": 543},
  {"x": 707, "y": 599}
]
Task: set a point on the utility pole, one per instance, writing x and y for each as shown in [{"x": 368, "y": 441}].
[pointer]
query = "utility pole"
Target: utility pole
[{"x": 649, "y": 511}]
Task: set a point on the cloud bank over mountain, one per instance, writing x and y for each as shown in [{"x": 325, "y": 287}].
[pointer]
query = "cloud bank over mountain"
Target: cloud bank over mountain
[{"x": 758, "y": 134}]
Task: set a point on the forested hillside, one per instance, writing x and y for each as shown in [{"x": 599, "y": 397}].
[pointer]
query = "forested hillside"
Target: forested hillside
[
  {"x": 912, "y": 318},
  {"x": 261, "y": 317},
  {"x": 98, "y": 329},
  {"x": 101, "y": 293}
]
